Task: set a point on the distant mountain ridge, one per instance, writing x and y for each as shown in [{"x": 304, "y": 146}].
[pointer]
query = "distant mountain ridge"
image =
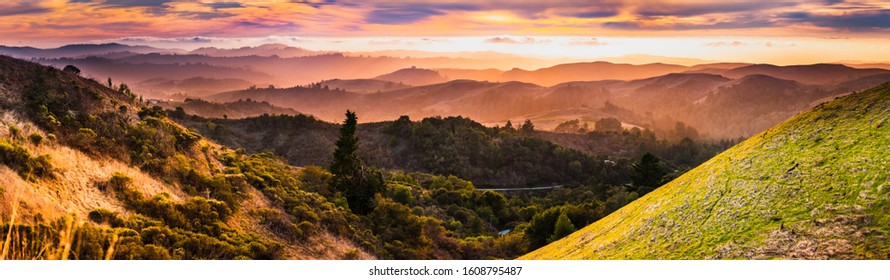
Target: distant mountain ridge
[{"x": 80, "y": 50}]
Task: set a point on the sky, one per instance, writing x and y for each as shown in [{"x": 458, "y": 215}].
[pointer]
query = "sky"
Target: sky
[{"x": 782, "y": 32}]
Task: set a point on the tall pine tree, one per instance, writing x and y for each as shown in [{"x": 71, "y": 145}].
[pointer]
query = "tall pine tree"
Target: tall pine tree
[{"x": 356, "y": 183}]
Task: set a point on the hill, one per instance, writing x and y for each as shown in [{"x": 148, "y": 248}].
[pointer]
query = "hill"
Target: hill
[
  {"x": 363, "y": 86},
  {"x": 279, "y": 50},
  {"x": 89, "y": 160},
  {"x": 813, "y": 187},
  {"x": 816, "y": 74},
  {"x": 716, "y": 106},
  {"x": 192, "y": 87},
  {"x": 79, "y": 50},
  {"x": 413, "y": 76},
  {"x": 232, "y": 110}
]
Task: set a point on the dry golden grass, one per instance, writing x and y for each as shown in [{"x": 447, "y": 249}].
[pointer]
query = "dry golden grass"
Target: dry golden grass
[
  {"x": 74, "y": 190},
  {"x": 73, "y": 193}
]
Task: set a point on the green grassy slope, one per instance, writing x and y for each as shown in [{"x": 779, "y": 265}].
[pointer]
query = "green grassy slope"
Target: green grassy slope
[{"x": 814, "y": 187}]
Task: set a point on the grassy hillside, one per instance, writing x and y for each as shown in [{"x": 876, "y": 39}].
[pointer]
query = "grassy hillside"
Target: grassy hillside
[
  {"x": 813, "y": 187},
  {"x": 87, "y": 172}
]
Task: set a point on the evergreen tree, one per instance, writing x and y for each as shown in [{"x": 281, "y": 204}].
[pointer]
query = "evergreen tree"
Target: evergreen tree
[
  {"x": 528, "y": 127},
  {"x": 562, "y": 228},
  {"x": 351, "y": 179},
  {"x": 648, "y": 174}
]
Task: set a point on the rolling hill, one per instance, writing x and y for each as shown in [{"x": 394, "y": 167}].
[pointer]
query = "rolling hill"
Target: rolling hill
[
  {"x": 84, "y": 158},
  {"x": 231, "y": 110},
  {"x": 413, "y": 76},
  {"x": 813, "y": 187},
  {"x": 817, "y": 74}
]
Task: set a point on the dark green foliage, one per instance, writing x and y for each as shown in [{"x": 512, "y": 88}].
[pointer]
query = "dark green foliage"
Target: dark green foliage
[
  {"x": 281, "y": 184},
  {"x": 572, "y": 126},
  {"x": 543, "y": 226},
  {"x": 607, "y": 124},
  {"x": 35, "y": 139},
  {"x": 196, "y": 227},
  {"x": 527, "y": 127},
  {"x": 27, "y": 166},
  {"x": 178, "y": 113},
  {"x": 358, "y": 184},
  {"x": 105, "y": 216},
  {"x": 648, "y": 174},
  {"x": 562, "y": 228},
  {"x": 401, "y": 228},
  {"x": 279, "y": 224},
  {"x": 154, "y": 111},
  {"x": 490, "y": 156},
  {"x": 71, "y": 69},
  {"x": 15, "y": 133}
]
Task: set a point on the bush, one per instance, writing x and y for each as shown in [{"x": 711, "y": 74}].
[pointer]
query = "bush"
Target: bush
[
  {"x": 154, "y": 111},
  {"x": 35, "y": 138},
  {"x": 105, "y": 216},
  {"x": 14, "y": 132},
  {"x": 20, "y": 160},
  {"x": 278, "y": 223}
]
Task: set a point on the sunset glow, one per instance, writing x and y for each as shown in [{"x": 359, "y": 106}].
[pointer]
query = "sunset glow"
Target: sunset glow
[{"x": 757, "y": 31}]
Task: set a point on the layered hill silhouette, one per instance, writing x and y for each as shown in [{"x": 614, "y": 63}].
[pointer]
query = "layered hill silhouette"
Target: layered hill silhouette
[
  {"x": 413, "y": 76},
  {"x": 813, "y": 187},
  {"x": 718, "y": 106}
]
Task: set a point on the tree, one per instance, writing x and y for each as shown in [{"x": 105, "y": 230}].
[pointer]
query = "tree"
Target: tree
[
  {"x": 562, "y": 228},
  {"x": 509, "y": 125},
  {"x": 607, "y": 124},
  {"x": 357, "y": 184},
  {"x": 71, "y": 69},
  {"x": 528, "y": 126},
  {"x": 648, "y": 174}
]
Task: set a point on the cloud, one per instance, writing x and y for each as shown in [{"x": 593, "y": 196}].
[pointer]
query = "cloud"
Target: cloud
[
  {"x": 726, "y": 24},
  {"x": 25, "y": 8},
  {"x": 702, "y": 8},
  {"x": 412, "y": 12},
  {"x": 588, "y": 42},
  {"x": 510, "y": 40},
  {"x": 725, "y": 44},
  {"x": 194, "y": 39},
  {"x": 870, "y": 20},
  {"x": 136, "y": 3},
  {"x": 224, "y": 5}
]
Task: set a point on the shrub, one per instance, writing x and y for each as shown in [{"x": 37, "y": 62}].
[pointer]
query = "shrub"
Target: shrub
[
  {"x": 14, "y": 132},
  {"x": 36, "y": 138},
  {"x": 351, "y": 255},
  {"x": 154, "y": 111},
  {"x": 105, "y": 216},
  {"x": 278, "y": 223},
  {"x": 20, "y": 160},
  {"x": 84, "y": 139}
]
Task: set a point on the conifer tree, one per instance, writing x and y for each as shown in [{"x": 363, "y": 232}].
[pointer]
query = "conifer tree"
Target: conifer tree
[
  {"x": 356, "y": 183},
  {"x": 648, "y": 174},
  {"x": 562, "y": 228}
]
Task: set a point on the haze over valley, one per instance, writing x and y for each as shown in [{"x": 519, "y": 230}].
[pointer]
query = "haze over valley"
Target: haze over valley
[{"x": 444, "y": 130}]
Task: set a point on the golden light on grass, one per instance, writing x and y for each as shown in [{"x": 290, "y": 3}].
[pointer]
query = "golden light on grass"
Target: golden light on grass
[{"x": 8, "y": 239}]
